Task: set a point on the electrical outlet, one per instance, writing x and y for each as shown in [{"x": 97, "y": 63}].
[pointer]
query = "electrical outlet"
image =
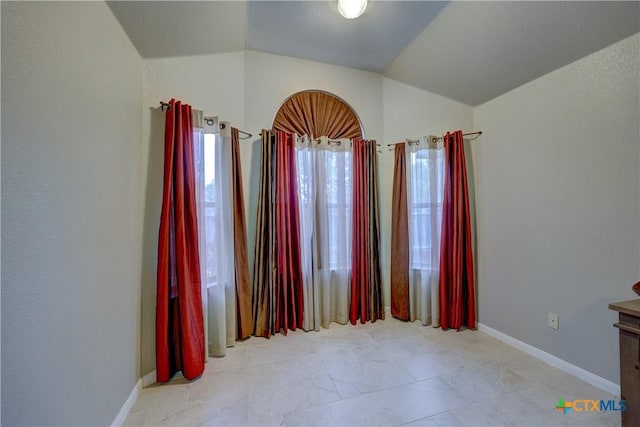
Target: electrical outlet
[{"x": 553, "y": 321}]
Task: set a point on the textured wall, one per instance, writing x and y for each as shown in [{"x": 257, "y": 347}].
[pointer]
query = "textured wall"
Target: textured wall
[
  {"x": 71, "y": 96},
  {"x": 558, "y": 190}
]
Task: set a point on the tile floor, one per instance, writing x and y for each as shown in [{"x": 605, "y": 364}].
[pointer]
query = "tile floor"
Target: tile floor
[{"x": 383, "y": 373}]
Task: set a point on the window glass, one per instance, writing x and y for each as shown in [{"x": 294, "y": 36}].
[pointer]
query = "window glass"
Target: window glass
[
  {"x": 210, "y": 195},
  {"x": 427, "y": 178}
]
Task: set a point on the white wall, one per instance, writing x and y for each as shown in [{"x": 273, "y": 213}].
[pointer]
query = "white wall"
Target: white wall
[
  {"x": 270, "y": 79},
  {"x": 410, "y": 113},
  {"x": 558, "y": 197},
  {"x": 71, "y": 96}
]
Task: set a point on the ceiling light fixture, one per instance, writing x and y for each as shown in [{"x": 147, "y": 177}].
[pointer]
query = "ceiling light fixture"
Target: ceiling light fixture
[{"x": 351, "y": 9}]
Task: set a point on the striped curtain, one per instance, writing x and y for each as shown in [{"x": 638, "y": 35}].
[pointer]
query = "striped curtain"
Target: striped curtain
[
  {"x": 278, "y": 302},
  {"x": 366, "y": 280}
]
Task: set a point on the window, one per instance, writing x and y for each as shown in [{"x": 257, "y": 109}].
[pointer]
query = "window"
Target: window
[
  {"x": 210, "y": 196},
  {"x": 324, "y": 198},
  {"x": 338, "y": 169},
  {"x": 324, "y": 174},
  {"x": 426, "y": 175}
]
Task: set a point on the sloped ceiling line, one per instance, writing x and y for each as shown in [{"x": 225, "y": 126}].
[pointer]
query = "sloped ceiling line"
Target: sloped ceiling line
[{"x": 471, "y": 52}]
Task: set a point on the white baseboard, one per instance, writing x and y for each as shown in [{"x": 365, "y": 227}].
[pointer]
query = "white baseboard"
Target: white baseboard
[
  {"x": 149, "y": 379},
  {"x": 554, "y": 361},
  {"x": 143, "y": 382},
  {"x": 128, "y": 404}
]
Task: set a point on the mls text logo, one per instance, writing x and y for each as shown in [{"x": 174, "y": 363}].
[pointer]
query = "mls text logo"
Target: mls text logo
[{"x": 584, "y": 405}]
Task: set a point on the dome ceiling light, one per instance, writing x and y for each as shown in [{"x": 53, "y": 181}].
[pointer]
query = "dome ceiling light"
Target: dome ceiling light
[{"x": 351, "y": 9}]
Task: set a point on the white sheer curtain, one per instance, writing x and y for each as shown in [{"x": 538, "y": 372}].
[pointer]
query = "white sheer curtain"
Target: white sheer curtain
[
  {"x": 425, "y": 181},
  {"x": 215, "y": 226},
  {"x": 324, "y": 197}
]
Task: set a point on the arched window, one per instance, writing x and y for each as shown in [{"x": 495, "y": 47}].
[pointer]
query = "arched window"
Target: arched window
[
  {"x": 317, "y": 113},
  {"x": 309, "y": 185}
]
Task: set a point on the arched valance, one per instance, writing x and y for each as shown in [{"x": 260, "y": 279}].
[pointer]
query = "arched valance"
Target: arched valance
[{"x": 316, "y": 114}]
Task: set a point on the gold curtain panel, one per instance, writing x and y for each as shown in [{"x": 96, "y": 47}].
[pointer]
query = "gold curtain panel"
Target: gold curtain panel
[{"x": 317, "y": 114}]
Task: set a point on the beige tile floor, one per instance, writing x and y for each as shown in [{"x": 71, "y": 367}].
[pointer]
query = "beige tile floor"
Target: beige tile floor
[{"x": 383, "y": 373}]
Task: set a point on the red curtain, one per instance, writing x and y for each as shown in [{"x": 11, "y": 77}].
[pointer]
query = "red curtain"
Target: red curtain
[
  {"x": 179, "y": 321},
  {"x": 366, "y": 283},
  {"x": 457, "y": 302},
  {"x": 278, "y": 302},
  {"x": 289, "y": 297}
]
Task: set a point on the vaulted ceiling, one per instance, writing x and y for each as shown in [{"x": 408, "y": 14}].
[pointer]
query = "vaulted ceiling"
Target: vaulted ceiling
[{"x": 468, "y": 51}]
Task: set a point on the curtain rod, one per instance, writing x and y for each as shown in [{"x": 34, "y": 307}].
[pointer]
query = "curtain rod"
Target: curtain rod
[
  {"x": 435, "y": 138},
  {"x": 210, "y": 121},
  {"x": 330, "y": 141}
]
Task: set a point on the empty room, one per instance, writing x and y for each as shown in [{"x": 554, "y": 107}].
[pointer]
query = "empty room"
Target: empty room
[{"x": 332, "y": 213}]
